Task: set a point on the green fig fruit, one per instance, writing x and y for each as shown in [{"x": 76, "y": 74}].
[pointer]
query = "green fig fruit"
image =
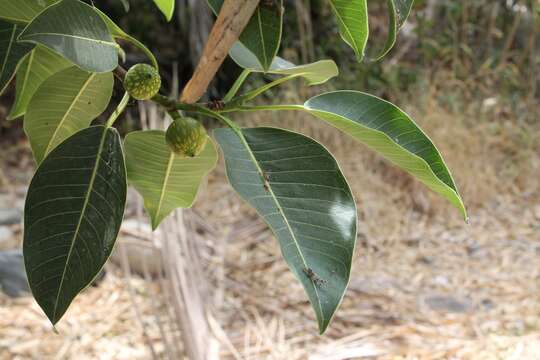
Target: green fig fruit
[
  {"x": 142, "y": 81},
  {"x": 186, "y": 137}
]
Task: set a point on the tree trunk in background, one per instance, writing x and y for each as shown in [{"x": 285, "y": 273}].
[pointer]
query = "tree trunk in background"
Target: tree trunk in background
[{"x": 195, "y": 19}]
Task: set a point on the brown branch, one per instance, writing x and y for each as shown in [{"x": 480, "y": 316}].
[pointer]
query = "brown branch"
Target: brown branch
[{"x": 231, "y": 21}]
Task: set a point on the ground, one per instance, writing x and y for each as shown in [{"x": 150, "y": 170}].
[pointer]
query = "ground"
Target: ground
[{"x": 425, "y": 284}]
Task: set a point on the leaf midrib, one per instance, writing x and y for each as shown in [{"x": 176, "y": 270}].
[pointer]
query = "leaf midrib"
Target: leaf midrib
[
  {"x": 164, "y": 187},
  {"x": 281, "y": 212},
  {"x": 347, "y": 120},
  {"x": 263, "y": 43},
  {"x": 8, "y": 52},
  {"x": 68, "y": 111},
  {"x": 351, "y": 37},
  {"x": 101, "y": 42},
  {"x": 25, "y": 80},
  {"x": 81, "y": 217}
]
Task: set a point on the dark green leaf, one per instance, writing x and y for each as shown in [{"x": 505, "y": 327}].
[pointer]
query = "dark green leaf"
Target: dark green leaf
[
  {"x": 352, "y": 19},
  {"x": 64, "y": 104},
  {"x": 165, "y": 180},
  {"x": 76, "y": 31},
  {"x": 22, "y": 11},
  {"x": 36, "y": 67},
  {"x": 391, "y": 132},
  {"x": 262, "y": 35},
  {"x": 296, "y": 186},
  {"x": 72, "y": 216},
  {"x": 398, "y": 12},
  {"x": 11, "y": 52}
]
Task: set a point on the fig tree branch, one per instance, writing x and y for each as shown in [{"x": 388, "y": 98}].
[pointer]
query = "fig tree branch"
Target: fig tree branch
[{"x": 231, "y": 21}]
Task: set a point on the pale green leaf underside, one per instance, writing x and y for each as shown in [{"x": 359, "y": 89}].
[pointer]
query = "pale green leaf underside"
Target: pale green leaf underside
[
  {"x": 11, "y": 52},
  {"x": 262, "y": 35},
  {"x": 166, "y": 7},
  {"x": 73, "y": 212},
  {"x": 388, "y": 130},
  {"x": 166, "y": 181},
  {"x": 22, "y": 11},
  {"x": 315, "y": 73},
  {"x": 64, "y": 104},
  {"x": 352, "y": 19},
  {"x": 76, "y": 31},
  {"x": 296, "y": 186},
  {"x": 36, "y": 67}
]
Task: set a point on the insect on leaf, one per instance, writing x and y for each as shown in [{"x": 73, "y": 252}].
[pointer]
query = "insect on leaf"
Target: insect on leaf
[{"x": 297, "y": 188}]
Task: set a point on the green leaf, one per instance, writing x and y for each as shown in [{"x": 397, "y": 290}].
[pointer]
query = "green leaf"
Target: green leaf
[
  {"x": 11, "y": 52},
  {"x": 22, "y": 11},
  {"x": 403, "y": 10},
  {"x": 166, "y": 7},
  {"x": 72, "y": 216},
  {"x": 76, "y": 31},
  {"x": 118, "y": 33},
  {"x": 64, "y": 104},
  {"x": 126, "y": 5},
  {"x": 36, "y": 67},
  {"x": 315, "y": 73},
  {"x": 352, "y": 19},
  {"x": 166, "y": 181},
  {"x": 388, "y": 130},
  {"x": 262, "y": 35},
  {"x": 398, "y": 12},
  {"x": 296, "y": 186}
]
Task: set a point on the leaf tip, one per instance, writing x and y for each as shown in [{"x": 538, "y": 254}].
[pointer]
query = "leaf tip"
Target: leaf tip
[{"x": 155, "y": 223}]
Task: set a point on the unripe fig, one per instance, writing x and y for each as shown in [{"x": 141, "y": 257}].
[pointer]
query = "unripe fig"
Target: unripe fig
[
  {"x": 142, "y": 81},
  {"x": 186, "y": 137}
]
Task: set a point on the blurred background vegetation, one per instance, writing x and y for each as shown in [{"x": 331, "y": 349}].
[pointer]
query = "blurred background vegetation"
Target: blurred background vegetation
[{"x": 478, "y": 54}]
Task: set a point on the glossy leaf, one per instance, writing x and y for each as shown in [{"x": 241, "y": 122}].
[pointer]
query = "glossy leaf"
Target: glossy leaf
[
  {"x": 166, "y": 7},
  {"x": 72, "y": 216},
  {"x": 398, "y": 12},
  {"x": 352, "y": 19},
  {"x": 262, "y": 35},
  {"x": 296, "y": 186},
  {"x": 22, "y": 11},
  {"x": 166, "y": 181},
  {"x": 391, "y": 132},
  {"x": 64, "y": 104},
  {"x": 11, "y": 52},
  {"x": 315, "y": 73},
  {"x": 37, "y": 66},
  {"x": 76, "y": 31}
]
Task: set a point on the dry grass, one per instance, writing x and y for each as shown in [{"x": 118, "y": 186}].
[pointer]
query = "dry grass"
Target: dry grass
[{"x": 412, "y": 248}]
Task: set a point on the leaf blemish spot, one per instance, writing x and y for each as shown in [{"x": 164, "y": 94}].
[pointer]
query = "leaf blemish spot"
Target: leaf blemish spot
[{"x": 317, "y": 281}]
